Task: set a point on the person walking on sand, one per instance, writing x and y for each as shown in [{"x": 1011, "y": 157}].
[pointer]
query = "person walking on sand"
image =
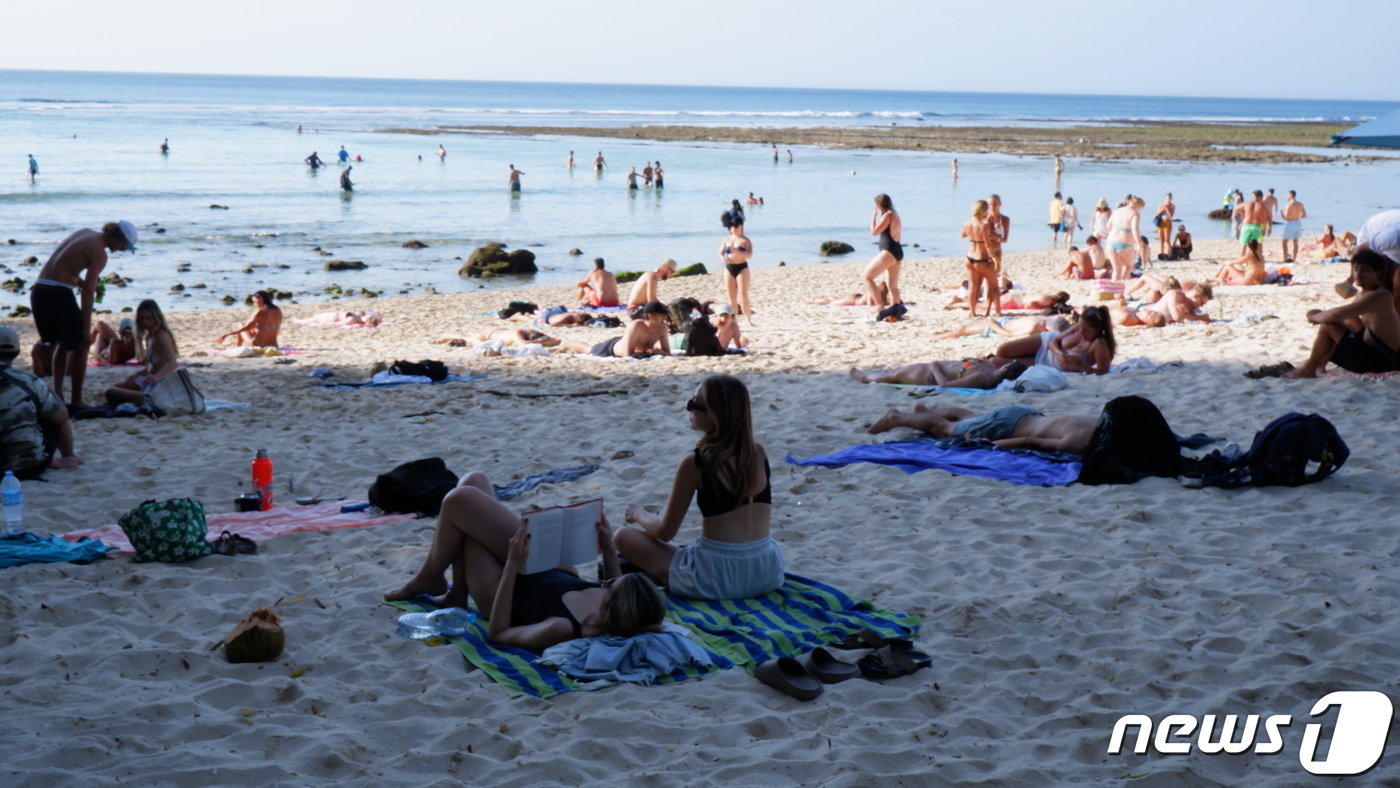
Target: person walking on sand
[
  {"x": 63, "y": 321},
  {"x": 980, "y": 267},
  {"x": 1125, "y": 237},
  {"x": 1293, "y": 215},
  {"x": 1057, "y": 216},
  {"x": 515, "y": 178},
  {"x": 33, "y": 168},
  {"x": 1163, "y": 220},
  {"x": 735, "y": 253},
  {"x": 1271, "y": 203},
  {"x": 885, "y": 223},
  {"x": 345, "y": 182}
]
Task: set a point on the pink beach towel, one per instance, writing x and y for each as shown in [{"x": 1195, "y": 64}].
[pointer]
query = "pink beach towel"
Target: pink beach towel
[{"x": 258, "y": 526}]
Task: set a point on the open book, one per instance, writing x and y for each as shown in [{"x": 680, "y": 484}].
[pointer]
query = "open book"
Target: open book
[{"x": 563, "y": 536}]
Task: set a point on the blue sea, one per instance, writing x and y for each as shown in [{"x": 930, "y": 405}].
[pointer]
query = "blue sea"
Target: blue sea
[{"x": 234, "y": 142}]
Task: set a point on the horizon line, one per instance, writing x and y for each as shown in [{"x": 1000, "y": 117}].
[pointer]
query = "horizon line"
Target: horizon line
[{"x": 663, "y": 85}]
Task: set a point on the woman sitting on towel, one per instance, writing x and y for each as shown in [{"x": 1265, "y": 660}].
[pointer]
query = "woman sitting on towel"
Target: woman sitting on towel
[
  {"x": 486, "y": 544},
  {"x": 1087, "y": 347},
  {"x": 728, "y": 475},
  {"x": 155, "y": 346}
]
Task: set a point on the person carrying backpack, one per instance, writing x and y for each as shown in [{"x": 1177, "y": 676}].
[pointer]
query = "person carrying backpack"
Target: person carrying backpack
[{"x": 33, "y": 423}]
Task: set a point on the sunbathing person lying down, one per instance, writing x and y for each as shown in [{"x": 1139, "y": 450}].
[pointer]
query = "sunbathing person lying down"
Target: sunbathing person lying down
[
  {"x": 970, "y": 373},
  {"x": 1010, "y": 427},
  {"x": 1006, "y": 326},
  {"x": 512, "y": 336}
]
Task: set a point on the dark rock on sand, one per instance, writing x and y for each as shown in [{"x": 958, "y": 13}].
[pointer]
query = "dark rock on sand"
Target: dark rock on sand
[
  {"x": 414, "y": 245},
  {"x": 13, "y": 285},
  {"x": 492, "y": 260},
  {"x": 695, "y": 269},
  {"x": 623, "y": 277},
  {"x": 229, "y": 300},
  {"x": 177, "y": 288},
  {"x": 345, "y": 265},
  {"x": 829, "y": 248},
  {"x": 31, "y": 260},
  {"x": 217, "y": 207},
  {"x": 1219, "y": 213}
]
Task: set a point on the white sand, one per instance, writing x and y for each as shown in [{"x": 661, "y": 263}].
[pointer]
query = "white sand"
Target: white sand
[{"x": 1049, "y": 612}]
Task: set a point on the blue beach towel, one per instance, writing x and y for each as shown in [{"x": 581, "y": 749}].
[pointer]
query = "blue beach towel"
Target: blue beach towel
[
  {"x": 1025, "y": 468},
  {"x": 30, "y": 548},
  {"x": 790, "y": 621},
  {"x": 519, "y": 487}
]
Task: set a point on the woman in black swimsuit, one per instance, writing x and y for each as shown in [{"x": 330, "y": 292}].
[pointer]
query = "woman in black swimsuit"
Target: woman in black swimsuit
[
  {"x": 728, "y": 476},
  {"x": 980, "y": 265},
  {"x": 486, "y": 544},
  {"x": 735, "y": 253},
  {"x": 885, "y": 223}
]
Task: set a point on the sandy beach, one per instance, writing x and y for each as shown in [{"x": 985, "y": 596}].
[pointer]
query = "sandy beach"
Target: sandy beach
[{"x": 1049, "y": 612}]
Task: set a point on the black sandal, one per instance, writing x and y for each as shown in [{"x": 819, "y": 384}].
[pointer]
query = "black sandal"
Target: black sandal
[
  {"x": 889, "y": 663},
  {"x": 233, "y": 544}
]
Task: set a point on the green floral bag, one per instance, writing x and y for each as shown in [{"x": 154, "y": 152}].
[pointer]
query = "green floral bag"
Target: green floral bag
[{"x": 169, "y": 531}]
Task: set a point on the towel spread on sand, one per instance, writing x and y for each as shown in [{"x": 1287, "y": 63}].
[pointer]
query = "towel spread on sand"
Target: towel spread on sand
[
  {"x": 31, "y": 548},
  {"x": 792, "y": 620},
  {"x": 640, "y": 659},
  {"x": 519, "y": 487},
  {"x": 258, "y": 526},
  {"x": 1017, "y": 467},
  {"x": 388, "y": 379}
]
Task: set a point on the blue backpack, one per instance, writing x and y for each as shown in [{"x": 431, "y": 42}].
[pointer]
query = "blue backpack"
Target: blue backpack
[{"x": 1291, "y": 450}]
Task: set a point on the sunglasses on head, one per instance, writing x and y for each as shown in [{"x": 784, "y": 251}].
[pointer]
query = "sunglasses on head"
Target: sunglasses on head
[{"x": 694, "y": 406}]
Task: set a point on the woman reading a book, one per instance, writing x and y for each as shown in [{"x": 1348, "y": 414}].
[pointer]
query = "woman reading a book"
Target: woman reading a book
[
  {"x": 728, "y": 475},
  {"x": 486, "y": 545}
]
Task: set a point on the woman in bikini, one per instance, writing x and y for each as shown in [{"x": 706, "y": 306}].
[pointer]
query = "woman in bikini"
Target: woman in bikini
[
  {"x": 735, "y": 253},
  {"x": 155, "y": 346},
  {"x": 1125, "y": 238},
  {"x": 486, "y": 544},
  {"x": 980, "y": 265},
  {"x": 262, "y": 328},
  {"x": 1247, "y": 269},
  {"x": 728, "y": 476},
  {"x": 885, "y": 223},
  {"x": 1087, "y": 347},
  {"x": 854, "y": 299}
]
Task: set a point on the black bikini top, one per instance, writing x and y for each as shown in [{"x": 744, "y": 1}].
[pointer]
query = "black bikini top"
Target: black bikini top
[{"x": 714, "y": 500}]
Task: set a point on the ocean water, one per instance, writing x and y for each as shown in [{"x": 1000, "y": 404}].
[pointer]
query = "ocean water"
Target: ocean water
[{"x": 234, "y": 142}]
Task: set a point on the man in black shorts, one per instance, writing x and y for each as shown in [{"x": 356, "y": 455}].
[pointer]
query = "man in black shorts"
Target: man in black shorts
[
  {"x": 1362, "y": 335},
  {"x": 63, "y": 323}
]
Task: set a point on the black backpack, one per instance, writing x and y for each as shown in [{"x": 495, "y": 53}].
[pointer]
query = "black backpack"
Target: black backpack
[
  {"x": 1132, "y": 440},
  {"x": 414, "y": 487},
  {"x": 1291, "y": 450},
  {"x": 701, "y": 338},
  {"x": 436, "y": 370}
]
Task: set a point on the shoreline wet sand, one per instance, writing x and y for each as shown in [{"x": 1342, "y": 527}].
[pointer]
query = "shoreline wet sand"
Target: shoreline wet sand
[
  {"x": 1165, "y": 140},
  {"x": 1049, "y": 612}
]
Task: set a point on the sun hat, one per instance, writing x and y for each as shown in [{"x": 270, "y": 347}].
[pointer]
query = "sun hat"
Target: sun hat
[{"x": 129, "y": 233}]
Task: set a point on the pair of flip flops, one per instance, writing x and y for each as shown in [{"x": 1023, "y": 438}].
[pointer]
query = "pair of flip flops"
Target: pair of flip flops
[
  {"x": 233, "y": 544},
  {"x": 889, "y": 658},
  {"x": 1269, "y": 370},
  {"x": 803, "y": 677}
]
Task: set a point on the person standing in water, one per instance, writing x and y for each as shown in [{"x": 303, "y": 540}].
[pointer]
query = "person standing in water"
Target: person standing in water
[
  {"x": 657, "y": 174},
  {"x": 442, "y": 153},
  {"x": 345, "y": 183},
  {"x": 165, "y": 147},
  {"x": 515, "y": 178},
  {"x": 33, "y": 168},
  {"x": 570, "y": 163},
  {"x": 598, "y": 162}
]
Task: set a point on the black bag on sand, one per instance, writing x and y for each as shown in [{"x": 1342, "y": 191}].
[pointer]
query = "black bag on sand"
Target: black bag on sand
[
  {"x": 1291, "y": 450},
  {"x": 413, "y": 488},
  {"x": 436, "y": 370},
  {"x": 701, "y": 338},
  {"x": 1132, "y": 440}
]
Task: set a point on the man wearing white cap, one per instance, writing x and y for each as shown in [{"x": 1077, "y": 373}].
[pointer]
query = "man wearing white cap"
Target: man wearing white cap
[
  {"x": 62, "y": 321},
  {"x": 33, "y": 422},
  {"x": 727, "y": 328}
]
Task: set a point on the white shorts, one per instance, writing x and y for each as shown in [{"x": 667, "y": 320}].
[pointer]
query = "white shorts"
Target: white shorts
[{"x": 708, "y": 569}]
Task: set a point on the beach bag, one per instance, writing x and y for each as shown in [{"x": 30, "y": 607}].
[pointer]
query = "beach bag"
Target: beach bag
[
  {"x": 175, "y": 395},
  {"x": 1291, "y": 450},
  {"x": 1131, "y": 440},
  {"x": 413, "y": 488},
  {"x": 701, "y": 338},
  {"x": 892, "y": 313},
  {"x": 173, "y": 530},
  {"x": 434, "y": 370}
]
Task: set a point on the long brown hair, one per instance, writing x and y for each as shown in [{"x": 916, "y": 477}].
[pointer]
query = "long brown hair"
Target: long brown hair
[
  {"x": 729, "y": 449},
  {"x": 634, "y": 607},
  {"x": 1097, "y": 318},
  {"x": 146, "y": 340}
]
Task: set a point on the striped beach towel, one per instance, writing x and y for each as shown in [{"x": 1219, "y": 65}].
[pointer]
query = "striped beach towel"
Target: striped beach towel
[{"x": 792, "y": 620}]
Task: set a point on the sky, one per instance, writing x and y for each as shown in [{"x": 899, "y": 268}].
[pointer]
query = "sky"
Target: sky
[{"x": 1278, "y": 49}]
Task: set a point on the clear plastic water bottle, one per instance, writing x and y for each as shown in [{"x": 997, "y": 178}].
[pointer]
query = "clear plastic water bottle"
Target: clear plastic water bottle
[
  {"x": 449, "y": 621},
  {"x": 13, "y": 495}
]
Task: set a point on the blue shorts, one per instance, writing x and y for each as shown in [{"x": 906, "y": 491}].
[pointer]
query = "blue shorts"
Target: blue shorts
[
  {"x": 994, "y": 426},
  {"x": 707, "y": 569},
  {"x": 1292, "y": 229}
]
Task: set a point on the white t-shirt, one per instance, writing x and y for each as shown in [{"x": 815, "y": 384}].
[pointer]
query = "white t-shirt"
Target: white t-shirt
[{"x": 1382, "y": 233}]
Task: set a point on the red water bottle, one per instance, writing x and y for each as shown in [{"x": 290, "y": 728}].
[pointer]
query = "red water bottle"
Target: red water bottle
[{"x": 262, "y": 478}]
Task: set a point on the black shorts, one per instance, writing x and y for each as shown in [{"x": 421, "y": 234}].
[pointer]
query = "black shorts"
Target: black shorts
[
  {"x": 605, "y": 348},
  {"x": 57, "y": 316},
  {"x": 1355, "y": 354}
]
